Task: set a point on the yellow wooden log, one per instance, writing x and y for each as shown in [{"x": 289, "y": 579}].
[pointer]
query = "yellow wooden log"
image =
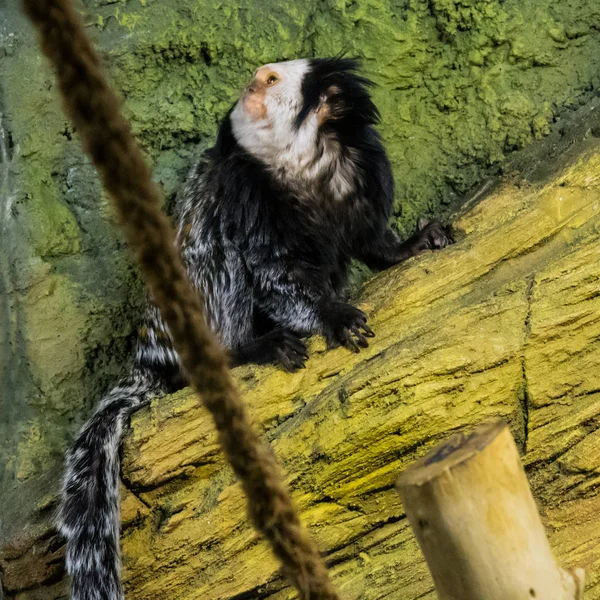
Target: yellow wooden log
[
  {"x": 503, "y": 324},
  {"x": 471, "y": 509}
]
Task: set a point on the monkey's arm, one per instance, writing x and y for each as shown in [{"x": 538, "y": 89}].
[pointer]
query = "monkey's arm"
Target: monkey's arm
[
  {"x": 303, "y": 301},
  {"x": 386, "y": 249}
]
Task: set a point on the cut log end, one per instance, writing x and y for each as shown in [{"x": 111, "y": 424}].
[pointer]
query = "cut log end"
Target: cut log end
[
  {"x": 473, "y": 514},
  {"x": 460, "y": 448}
]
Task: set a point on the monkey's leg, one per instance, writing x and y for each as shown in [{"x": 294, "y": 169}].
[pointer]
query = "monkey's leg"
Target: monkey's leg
[
  {"x": 219, "y": 272},
  {"x": 387, "y": 250}
]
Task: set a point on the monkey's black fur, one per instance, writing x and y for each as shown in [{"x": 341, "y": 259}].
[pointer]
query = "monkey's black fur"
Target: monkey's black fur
[
  {"x": 267, "y": 243},
  {"x": 311, "y": 239}
]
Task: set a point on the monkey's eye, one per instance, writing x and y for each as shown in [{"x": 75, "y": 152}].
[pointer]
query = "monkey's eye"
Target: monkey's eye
[{"x": 272, "y": 79}]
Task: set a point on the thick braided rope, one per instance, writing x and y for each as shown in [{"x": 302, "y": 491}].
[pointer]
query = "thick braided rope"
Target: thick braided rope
[{"x": 95, "y": 110}]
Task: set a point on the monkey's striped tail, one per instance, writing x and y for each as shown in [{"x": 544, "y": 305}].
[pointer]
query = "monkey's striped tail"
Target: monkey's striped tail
[{"x": 89, "y": 515}]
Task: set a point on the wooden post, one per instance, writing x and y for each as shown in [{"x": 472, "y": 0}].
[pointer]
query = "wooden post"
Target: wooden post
[{"x": 469, "y": 504}]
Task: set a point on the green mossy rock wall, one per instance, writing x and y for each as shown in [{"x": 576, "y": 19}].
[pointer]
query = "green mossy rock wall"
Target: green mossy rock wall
[{"x": 460, "y": 84}]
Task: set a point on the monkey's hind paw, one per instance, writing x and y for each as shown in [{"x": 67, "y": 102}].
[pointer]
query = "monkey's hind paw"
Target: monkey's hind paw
[
  {"x": 290, "y": 351},
  {"x": 346, "y": 326},
  {"x": 278, "y": 346},
  {"x": 432, "y": 235}
]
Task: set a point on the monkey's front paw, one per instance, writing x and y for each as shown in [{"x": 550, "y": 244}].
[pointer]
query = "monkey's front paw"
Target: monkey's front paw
[
  {"x": 432, "y": 235},
  {"x": 288, "y": 349},
  {"x": 344, "y": 325}
]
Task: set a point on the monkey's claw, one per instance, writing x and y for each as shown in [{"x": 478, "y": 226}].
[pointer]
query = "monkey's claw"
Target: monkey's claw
[
  {"x": 432, "y": 235},
  {"x": 290, "y": 350},
  {"x": 346, "y": 326},
  {"x": 278, "y": 346}
]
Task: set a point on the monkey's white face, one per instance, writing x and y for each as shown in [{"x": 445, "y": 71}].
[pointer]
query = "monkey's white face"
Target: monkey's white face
[
  {"x": 263, "y": 123},
  {"x": 274, "y": 93},
  {"x": 263, "y": 118}
]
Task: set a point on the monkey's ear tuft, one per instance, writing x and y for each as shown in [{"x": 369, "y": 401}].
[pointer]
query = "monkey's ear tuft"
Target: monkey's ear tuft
[{"x": 331, "y": 105}]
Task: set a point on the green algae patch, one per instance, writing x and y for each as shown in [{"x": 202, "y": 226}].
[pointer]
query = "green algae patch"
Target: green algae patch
[
  {"x": 54, "y": 320},
  {"x": 453, "y": 16},
  {"x": 52, "y": 226}
]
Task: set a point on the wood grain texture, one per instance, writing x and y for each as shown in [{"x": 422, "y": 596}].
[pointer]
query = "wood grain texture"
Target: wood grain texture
[
  {"x": 471, "y": 509},
  {"x": 506, "y": 323}
]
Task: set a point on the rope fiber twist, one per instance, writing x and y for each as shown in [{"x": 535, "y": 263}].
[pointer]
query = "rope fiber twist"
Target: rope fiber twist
[{"x": 106, "y": 137}]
